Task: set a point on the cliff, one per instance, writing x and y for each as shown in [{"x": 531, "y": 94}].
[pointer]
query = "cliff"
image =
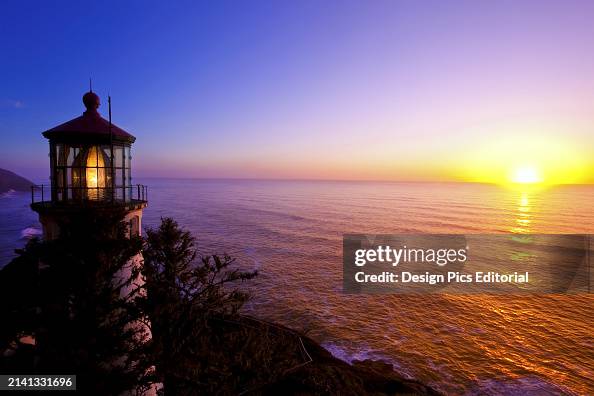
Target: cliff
[
  {"x": 326, "y": 374},
  {"x": 249, "y": 356},
  {"x": 12, "y": 181}
]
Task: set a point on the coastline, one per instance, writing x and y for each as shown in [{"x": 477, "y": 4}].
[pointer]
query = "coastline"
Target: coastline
[{"x": 320, "y": 372}]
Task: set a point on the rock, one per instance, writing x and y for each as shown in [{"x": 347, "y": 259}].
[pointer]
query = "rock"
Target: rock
[
  {"x": 382, "y": 378},
  {"x": 327, "y": 375}
]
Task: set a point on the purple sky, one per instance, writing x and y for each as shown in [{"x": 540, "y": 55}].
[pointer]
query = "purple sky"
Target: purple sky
[{"x": 397, "y": 90}]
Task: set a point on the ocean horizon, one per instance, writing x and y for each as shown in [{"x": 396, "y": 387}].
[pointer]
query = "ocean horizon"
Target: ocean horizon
[{"x": 291, "y": 232}]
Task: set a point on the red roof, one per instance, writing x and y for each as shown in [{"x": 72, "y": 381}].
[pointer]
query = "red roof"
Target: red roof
[{"x": 90, "y": 127}]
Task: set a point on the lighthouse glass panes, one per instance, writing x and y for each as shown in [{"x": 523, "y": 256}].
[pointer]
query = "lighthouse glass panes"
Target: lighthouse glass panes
[{"x": 85, "y": 172}]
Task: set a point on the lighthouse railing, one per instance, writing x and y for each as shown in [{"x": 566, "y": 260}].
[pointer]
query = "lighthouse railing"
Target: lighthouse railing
[{"x": 42, "y": 194}]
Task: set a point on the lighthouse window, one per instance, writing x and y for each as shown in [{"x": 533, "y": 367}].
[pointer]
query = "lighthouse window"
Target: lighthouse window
[
  {"x": 85, "y": 172},
  {"x": 70, "y": 153},
  {"x": 95, "y": 174},
  {"x": 59, "y": 180},
  {"x": 69, "y": 174},
  {"x": 118, "y": 156},
  {"x": 134, "y": 226},
  {"x": 119, "y": 180},
  {"x": 106, "y": 151},
  {"x": 119, "y": 194},
  {"x": 127, "y": 157},
  {"x": 60, "y": 154}
]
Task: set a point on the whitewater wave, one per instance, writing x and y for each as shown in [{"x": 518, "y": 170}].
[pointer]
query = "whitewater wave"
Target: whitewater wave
[
  {"x": 345, "y": 355},
  {"x": 30, "y": 232},
  {"x": 7, "y": 194},
  {"x": 250, "y": 251}
]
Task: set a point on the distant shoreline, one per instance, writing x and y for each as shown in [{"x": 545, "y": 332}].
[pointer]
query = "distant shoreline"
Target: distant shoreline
[{"x": 11, "y": 181}]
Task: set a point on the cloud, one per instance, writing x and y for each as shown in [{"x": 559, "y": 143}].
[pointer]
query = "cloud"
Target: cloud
[{"x": 12, "y": 103}]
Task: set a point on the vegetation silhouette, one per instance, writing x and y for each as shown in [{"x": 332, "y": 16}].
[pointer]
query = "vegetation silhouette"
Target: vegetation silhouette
[
  {"x": 85, "y": 304},
  {"x": 67, "y": 309}
]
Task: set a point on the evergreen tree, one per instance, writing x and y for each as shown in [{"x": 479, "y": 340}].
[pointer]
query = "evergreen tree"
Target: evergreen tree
[
  {"x": 183, "y": 293},
  {"x": 75, "y": 297},
  {"x": 81, "y": 301}
]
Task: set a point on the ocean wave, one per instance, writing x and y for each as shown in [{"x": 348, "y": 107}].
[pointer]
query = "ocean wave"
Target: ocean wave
[
  {"x": 531, "y": 385},
  {"x": 345, "y": 355},
  {"x": 250, "y": 251},
  {"x": 7, "y": 194},
  {"x": 30, "y": 232}
]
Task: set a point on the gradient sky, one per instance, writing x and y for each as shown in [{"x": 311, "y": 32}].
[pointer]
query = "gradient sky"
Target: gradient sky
[{"x": 399, "y": 90}]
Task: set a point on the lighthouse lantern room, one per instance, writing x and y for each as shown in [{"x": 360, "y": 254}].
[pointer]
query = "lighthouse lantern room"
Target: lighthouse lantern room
[{"x": 90, "y": 167}]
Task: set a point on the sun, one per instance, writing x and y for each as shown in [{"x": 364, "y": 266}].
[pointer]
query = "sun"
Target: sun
[{"x": 526, "y": 175}]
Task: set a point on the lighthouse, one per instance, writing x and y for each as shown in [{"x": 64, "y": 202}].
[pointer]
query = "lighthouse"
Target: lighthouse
[
  {"x": 90, "y": 173},
  {"x": 90, "y": 168}
]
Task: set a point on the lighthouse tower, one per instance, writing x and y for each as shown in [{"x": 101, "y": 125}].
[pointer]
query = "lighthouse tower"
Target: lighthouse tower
[
  {"x": 90, "y": 167},
  {"x": 90, "y": 170}
]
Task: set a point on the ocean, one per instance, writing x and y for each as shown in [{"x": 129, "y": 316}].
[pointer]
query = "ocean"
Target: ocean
[{"x": 291, "y": 232}]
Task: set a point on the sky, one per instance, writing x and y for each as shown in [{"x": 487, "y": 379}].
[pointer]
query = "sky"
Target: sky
[{"x": 373, "y": 90}]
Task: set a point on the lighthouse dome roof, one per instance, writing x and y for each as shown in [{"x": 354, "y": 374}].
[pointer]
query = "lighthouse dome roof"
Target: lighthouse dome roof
[{"x": 90, "y": 127}]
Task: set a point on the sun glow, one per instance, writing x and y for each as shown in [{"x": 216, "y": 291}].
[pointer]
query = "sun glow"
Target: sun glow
[
  {"x": 524, "y": 154},
  {"x": 526, "y": 175}
]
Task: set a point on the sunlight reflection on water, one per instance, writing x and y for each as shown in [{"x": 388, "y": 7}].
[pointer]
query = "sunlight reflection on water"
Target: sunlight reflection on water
[{"x": 292, "y": 233}]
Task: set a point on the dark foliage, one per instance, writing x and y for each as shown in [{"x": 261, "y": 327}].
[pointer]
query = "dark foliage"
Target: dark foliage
[
  {"x": 183, "y": 294},
  {"x": 72, "y": 296},
  {"x": 203, "y": 347},
  {"x": 89, "y": 311}
]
